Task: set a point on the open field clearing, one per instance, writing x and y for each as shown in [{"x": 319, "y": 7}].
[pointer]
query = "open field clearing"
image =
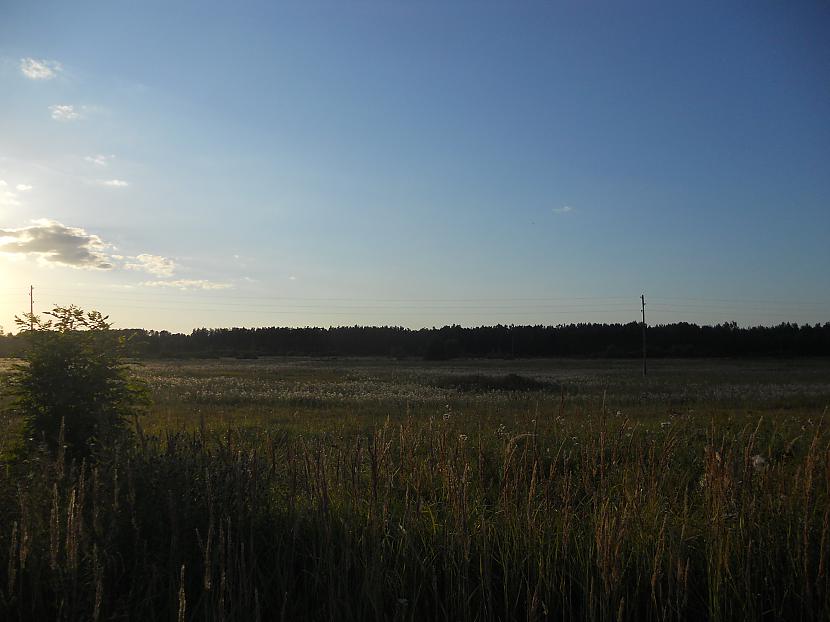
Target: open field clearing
[
  {"x": 343, "y": 392},
  {"x": 368, "y": 489}
]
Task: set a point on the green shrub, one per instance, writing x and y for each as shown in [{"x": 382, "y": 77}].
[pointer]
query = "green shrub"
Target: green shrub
[{"x": 73, "y": 388}]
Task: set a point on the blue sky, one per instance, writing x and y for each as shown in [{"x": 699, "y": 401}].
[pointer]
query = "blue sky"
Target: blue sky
[{"x": 222, "y": 164}]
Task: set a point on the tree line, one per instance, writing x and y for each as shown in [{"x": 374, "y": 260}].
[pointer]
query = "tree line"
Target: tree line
[{"x": 501, "y": 341}]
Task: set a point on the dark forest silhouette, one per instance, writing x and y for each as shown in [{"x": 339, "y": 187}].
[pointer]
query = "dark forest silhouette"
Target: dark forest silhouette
[{"x": 571, "y": 340}]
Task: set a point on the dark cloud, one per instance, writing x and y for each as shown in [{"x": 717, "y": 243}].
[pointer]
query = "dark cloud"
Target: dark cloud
[{"x": 55, "y": 243}]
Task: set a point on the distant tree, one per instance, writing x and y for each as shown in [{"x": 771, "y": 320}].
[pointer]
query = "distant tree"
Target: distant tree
[
  {"x": 593, "y": 340},
  {"x": 73, "y": 387}
]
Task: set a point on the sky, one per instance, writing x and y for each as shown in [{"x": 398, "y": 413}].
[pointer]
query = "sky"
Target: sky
[{"x": 204, "y": 164}]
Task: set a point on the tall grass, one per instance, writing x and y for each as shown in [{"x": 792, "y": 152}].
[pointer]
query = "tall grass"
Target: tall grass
[{"x": 427, "y": 518}]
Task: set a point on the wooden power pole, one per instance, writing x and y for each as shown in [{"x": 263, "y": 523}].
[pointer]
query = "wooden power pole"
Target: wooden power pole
[{"x": 643, "y": 300}]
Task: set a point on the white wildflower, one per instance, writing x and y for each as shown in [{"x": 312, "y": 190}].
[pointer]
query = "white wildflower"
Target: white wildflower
[{"x": 759, "y": 462}]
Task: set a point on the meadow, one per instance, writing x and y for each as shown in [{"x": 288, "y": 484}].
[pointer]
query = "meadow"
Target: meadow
[{"x": 376, "y": 489}]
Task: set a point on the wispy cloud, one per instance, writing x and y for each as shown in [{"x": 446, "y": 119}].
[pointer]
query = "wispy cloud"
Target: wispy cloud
[
  {"x": 154, "y": 264},
  {"x": 186, "y": 284},
  {"x": 113, "y": 183},
  {"x": 54, "y": 243},
  {"x": 8, "y": 197},
  {"x": 64, "y": 112},
  {"x": 99, "y": 159},
  {"x": 563, "y": 210},
  {"x": 23, "y": 187},
  {"x": 39, "y": 69}
]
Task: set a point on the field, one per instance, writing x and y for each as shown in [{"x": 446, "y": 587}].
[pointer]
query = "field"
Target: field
[{"x": 467, "y": 490}]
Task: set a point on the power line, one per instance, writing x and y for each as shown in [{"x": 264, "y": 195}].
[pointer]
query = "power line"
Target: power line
[
  {"x": 354, "y": 299},
  {"x": 503, "y": 309},
  {"x": 594, "y": 299},
  {"x": 324, "y": 311},
  {"x": 745, "y": 300},
  {"x": 643, "y": 300}
]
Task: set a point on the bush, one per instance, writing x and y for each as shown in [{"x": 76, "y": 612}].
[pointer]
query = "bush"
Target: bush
[
  {"x": 73, "y": 388},
  {"x": 480, "y": 383}
]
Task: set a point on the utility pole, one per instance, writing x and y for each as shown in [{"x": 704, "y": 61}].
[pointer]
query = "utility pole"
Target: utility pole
[
  {"x": 643, "y": 300},
  {"x": 32, "y": 308}
]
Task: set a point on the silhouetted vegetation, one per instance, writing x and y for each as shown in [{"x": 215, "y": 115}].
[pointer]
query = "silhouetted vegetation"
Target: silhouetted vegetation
[
  {"x": 362, "y": 490},
  {"x": 428, "y": 520},
  {"x": 480, "y": 383},
  {"x": 571, "y": 340},
  {"x": 72, "y": 390}
]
